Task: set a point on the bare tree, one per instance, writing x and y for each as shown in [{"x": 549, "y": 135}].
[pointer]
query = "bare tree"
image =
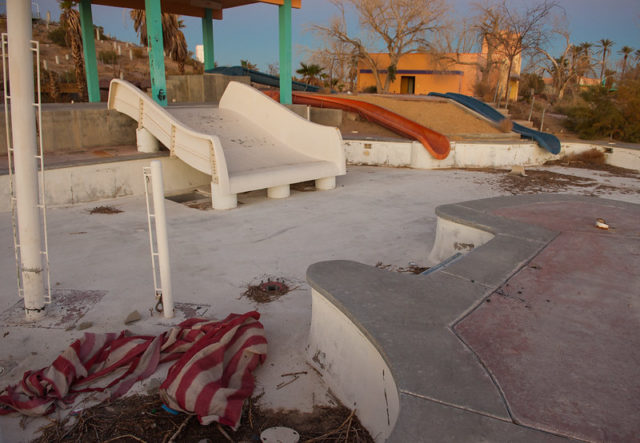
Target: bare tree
[
  {"x": 402, "y": 26},
  {"x": 273, "y": 69},
  {"x": 338, "y": 61},
  {"x": 517, "y": 31},
  {"x": 453, "y": 39},
  {"x": 489, "y": 22}
]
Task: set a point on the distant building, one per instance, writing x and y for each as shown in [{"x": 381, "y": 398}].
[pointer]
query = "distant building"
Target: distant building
[
  {"x": 421, "y": 73},
  {"x": 200, "y": 53}
]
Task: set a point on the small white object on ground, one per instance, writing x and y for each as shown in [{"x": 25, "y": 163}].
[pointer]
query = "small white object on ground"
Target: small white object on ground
[
  {"x": 601, "y": 224},
  {"x": 132, "y": 318},
  {"x": 279, "y": 434}
]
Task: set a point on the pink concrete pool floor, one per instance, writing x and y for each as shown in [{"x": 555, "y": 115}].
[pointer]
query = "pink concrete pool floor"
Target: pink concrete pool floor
[{"x": 560, "y": 337}]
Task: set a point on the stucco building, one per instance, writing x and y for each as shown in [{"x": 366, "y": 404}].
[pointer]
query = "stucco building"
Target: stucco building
[{"x": 421, "y": 73}]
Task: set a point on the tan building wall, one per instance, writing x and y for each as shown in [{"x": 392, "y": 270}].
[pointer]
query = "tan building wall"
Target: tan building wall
[{"x": 423, "y": 73}]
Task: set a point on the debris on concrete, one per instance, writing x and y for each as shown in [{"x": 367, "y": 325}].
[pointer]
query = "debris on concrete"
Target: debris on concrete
[
  {"x": 84, "y": 325},
  {"x": 294, "y": 375},
  {"x": 105, "y": 210},
  {"x": 141, "y": 418},
  {"x": 267, "y": 291},
  {"x": 132, "y": 318},
  {"x": 518, "y": 170},
  {"x": 411, "y": 268},
  {"x": 601, "y": 224}
]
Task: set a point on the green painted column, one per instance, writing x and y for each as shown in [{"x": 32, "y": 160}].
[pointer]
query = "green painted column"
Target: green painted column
[
  {"x": 285, "y": 52},
  {"x": 207, "y": 39},
  {"x": 156, "y": 51},
  {"x": 89, "y": 49}
]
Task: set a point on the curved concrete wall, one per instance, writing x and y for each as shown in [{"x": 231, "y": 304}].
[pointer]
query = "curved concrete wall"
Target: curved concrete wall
[{"x": 353, "y": 367}]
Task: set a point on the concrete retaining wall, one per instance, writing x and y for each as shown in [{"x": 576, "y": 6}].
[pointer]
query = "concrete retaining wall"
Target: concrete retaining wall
[
  {"x": 79, "y": 126},
  {"x": 205, "y": 88},
  {"x": 497, "y": 154},
  {"x": 99, "y": 181}
]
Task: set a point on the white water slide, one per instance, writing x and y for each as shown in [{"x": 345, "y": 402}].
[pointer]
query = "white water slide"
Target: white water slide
[{"x": 248, "y": 142}]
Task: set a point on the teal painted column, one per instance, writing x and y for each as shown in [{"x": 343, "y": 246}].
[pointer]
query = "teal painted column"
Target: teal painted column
[
  {"x": 284, "y": 21},
  {"x": 207, "y": 39},
  {"x": 89, "y": 50},
  {"x": 156, "y": 51}
]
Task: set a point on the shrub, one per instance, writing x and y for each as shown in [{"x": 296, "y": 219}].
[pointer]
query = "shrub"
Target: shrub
[
  {"x": 67, "y": 77},
  {"x": 606, "y": 113},
  {"x": 531, "y": 81},
  {"x": 57, "y": 36},
  {"x": 370, "y": 90},
  {"x": 108, "y": 57},
  {"x": 483, "y": 90}
]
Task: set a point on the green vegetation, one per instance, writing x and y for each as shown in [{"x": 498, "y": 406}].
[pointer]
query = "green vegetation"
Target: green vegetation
[
  {"x": 108, "y": 57},
  {"x": 608, "y": 113},
  {"x": 138, "y": 52},
  {"x": 58, "y": 36}
]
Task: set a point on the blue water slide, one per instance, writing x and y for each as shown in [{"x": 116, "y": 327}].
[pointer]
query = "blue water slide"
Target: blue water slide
[
  {"x": 547, "y": 141},
  {"x": 260, "y": 77}
]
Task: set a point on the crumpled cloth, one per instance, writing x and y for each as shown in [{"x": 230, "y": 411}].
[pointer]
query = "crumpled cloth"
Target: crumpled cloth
[{"x": 211, "y": 375}]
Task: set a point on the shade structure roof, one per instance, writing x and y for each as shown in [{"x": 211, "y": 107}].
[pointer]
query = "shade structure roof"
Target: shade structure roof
[{"x": 193, "y": 8}]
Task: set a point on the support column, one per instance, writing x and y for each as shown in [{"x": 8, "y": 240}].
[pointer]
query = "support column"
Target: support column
[
  {"x": 284, "y": 22},
  {"x": 23, "y": 124},
  {"x": 89, "y": 49},
  {"x": 207, "y": 39},
  {"x": 156, "y": 51}
]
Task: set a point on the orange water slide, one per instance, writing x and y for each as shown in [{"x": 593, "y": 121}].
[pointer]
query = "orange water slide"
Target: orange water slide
[{"x": 436, "y": 143}]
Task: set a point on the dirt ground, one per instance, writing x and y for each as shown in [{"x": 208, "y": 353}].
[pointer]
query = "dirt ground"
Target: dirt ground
[
  {"x": 537, "y": 180},
  {"x": 140, "y": 418},
  {"x": 434, "y": 113}
]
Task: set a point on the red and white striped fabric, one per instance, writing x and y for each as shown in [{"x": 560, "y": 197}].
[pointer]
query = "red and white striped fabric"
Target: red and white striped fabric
[{"x": 211, "y": 376}]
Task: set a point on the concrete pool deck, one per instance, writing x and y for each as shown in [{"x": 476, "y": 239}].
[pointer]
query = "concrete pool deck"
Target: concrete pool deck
[
  {"x": 100, "y": 266},
  {"x": 530, "y": 337}
]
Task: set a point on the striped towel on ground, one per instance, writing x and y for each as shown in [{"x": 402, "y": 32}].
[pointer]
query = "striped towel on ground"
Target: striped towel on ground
[{"x": 211, "y": 376}]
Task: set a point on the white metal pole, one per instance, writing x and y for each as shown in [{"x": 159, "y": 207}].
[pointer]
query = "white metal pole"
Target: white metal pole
[
  {"x": 157, "y": 185},
  {"x": 23, "y": 123}
]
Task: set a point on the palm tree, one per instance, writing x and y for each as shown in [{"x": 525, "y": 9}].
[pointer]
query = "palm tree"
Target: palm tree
[
  {"x": 70, "y": 22},
  {"x": 605, "y": 45},
  {"x": 586, "y": 62},
  {"x": 310, "y": 73},
  {"x": 246, "y": 64},
  {"x": 625, "y": 51},
  {"x": 173, "y": 41}
]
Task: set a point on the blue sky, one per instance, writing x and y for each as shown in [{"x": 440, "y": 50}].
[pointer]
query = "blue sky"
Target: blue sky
[{"x": 251, "y": 32}]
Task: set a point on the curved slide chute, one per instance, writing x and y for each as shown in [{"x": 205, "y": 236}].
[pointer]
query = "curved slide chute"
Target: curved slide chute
[
  {"x": 547, "y": 141},
  {"x": 436, "y": 143}
]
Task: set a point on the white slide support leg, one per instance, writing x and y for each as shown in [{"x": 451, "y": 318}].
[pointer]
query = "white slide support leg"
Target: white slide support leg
[
  {"x": 146, "y": 142},
  {"x": 326, "y": 184},
  {"x": 279, "y": 191},
  {"x": 222, "y": 200}
]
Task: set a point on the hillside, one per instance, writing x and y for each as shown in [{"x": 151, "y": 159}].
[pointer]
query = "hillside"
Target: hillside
[{"x": 116, "y": 59}]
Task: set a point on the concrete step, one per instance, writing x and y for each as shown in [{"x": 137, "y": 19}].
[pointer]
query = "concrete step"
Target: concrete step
[{"x": 524, "y": 123}]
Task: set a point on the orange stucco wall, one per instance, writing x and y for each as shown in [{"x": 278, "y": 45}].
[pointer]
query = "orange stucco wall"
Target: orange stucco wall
[{"x": 450, "y": 73}]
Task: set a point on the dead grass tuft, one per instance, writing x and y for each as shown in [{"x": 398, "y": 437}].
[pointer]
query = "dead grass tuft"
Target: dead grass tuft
[{"x": 105, "y": 210}]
